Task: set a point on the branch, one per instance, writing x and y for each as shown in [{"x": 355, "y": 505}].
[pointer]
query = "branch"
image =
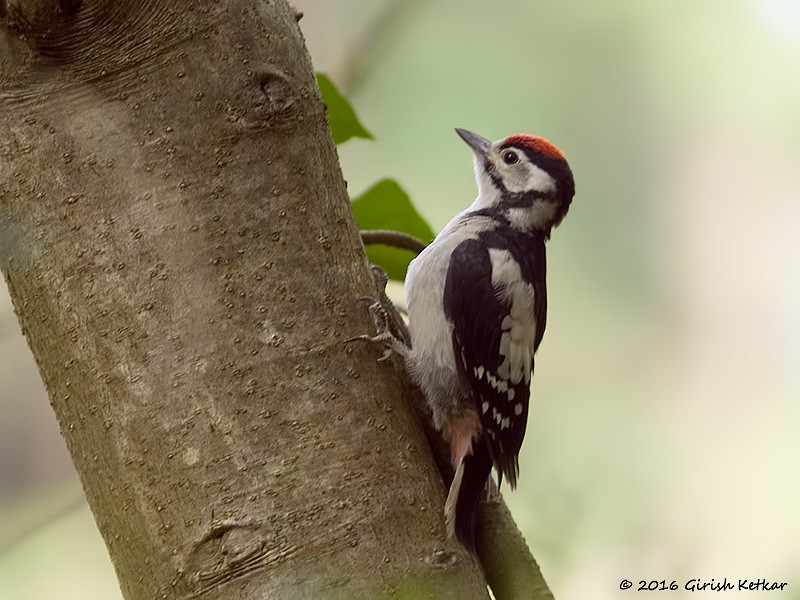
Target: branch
[
  {"x": 509, "y": 567},
  {"x": 396, "y": 239}
]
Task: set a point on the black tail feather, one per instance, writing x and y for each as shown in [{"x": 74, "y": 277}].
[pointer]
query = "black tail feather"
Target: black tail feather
[{"x": 477, "y": 468}]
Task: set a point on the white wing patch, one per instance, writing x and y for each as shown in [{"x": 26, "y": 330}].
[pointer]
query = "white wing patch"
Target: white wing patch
[{"x": 519, "y": 327}]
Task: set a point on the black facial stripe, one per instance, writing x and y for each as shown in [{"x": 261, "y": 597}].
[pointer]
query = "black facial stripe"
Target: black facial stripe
[
  {"x": 565, "y": 190},
  {"x": 492, "y": 212},
  {"x": 511, "y": 199},
  {"x": 492, "y": 173},
  {"x": 522, "y": 199}
]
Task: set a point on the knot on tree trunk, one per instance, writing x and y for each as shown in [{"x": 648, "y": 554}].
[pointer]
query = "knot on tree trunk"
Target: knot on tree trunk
[
  {"x": 37, "y": 17},
  {"x": 229, "y": 551}
]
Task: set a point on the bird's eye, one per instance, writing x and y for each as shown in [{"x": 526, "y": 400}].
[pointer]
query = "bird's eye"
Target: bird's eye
[{"x": 510, "y": 158}]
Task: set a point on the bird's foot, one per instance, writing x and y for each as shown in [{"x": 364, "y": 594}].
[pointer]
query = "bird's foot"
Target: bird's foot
[
  {"x": 391, "y": 345},
  {"x": 392, "y": 332}
]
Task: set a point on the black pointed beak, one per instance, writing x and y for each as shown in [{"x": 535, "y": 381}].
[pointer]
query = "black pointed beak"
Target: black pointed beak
[{"x": 480, "y": 145}]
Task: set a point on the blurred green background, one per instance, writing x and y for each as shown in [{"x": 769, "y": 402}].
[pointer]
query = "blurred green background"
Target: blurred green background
[{"x": 663, "y": 442}]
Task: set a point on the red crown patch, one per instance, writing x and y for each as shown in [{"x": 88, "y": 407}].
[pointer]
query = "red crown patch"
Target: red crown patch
[{"x": 536, "y": 144}]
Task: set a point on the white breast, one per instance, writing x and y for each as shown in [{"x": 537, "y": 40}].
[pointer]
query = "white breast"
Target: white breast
[{"x": 431, "y": 332}]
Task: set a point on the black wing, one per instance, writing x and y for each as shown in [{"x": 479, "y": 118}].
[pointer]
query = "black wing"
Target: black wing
[{"x": 478, "y": 313}]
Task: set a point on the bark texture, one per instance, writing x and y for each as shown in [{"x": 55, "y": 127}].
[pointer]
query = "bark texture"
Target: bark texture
[{"x": 178, "y": 243}]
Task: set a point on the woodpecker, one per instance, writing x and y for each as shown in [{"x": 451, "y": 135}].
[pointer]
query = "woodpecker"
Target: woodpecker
[{"x": 477, "y": 305}]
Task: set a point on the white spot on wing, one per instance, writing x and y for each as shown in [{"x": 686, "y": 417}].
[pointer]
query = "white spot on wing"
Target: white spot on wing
[
  {"x": 491, "y": 379},
  {"x": 517, "y": 409},
  {"x": 485, "y": 407},
  {"x": 511, "y": 394}
]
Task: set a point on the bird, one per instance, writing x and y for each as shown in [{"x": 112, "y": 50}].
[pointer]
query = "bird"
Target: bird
[{"x": 477, "y": 307}]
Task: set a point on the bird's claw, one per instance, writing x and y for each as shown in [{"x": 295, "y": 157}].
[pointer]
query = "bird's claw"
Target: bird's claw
[
  {"x": 392, "y": 333},
  {"x": 391, "y": 345}
]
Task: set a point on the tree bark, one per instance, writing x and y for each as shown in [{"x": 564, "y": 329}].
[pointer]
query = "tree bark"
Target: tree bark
[{"x": 180, "y": 250}]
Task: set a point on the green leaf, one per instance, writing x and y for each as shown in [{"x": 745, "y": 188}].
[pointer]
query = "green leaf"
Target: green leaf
[
  {"x": 342, "y": 118},
  {"x": 387, "y": 206}
]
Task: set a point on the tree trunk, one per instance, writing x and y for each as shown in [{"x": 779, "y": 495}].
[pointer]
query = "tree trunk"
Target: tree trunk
[{"x": 179, "y": 247}]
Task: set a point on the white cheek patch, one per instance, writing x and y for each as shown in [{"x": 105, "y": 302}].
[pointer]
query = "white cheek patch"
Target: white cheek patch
[{"x": 527, "y": 177}]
